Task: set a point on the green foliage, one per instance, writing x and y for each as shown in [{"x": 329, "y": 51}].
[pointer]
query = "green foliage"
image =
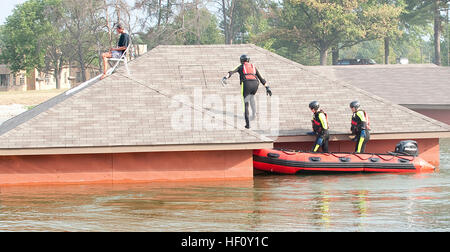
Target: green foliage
[
  {"x": 335, "y": 23},
  {"x": 203, "y": 30},
  {"x": 415, "y": 41},
  {"x": 45, "y": 34},
  {"x": 23, "y": 35}
]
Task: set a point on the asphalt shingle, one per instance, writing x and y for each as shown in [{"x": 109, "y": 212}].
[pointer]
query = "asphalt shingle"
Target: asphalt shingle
[
  {"x": 174, "y": 96},
  {"x": 402, "y": 84},
  {"x": 293, "y": 85}
]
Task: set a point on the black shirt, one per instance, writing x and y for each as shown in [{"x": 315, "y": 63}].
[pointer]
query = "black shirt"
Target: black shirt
[{"x": 124, "y": 41}]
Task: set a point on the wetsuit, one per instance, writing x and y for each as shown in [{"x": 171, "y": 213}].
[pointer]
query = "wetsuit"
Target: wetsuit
[
  {"x": 249, "y": 77},
  {"x": 360, "y": 128},
  {"x": 320, "y": 127}
]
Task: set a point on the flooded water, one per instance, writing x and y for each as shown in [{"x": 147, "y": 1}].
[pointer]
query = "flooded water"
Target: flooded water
[{"x": 345, "y": 202}]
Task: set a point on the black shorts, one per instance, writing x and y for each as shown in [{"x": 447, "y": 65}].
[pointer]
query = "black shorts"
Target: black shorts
[{"x": 249, "y": 87}]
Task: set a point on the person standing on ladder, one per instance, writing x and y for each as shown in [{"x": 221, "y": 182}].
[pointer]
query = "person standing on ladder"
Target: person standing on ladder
[
  {"x": 117, "y": 52},
  {"x": 360, "y": 127},
  {"x": 249, "y": 77},
  {"x": 320, "y": 127}
]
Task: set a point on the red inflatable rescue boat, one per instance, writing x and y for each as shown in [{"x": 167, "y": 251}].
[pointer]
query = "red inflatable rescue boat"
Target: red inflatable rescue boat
[{"x": 404, "y": 159}]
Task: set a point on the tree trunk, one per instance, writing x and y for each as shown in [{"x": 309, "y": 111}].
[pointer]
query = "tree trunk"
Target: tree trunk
[
  {"x": 225, "y": 24},
  {"x": 231, "y": 27},
  {"x": 80, "y": 52},
  {"x": 197, "y": 21},
  {"x": 107, "y": 23},
  {"x": 323, "y": 56},
  {"x": 386, "y": 50},
  {"x": 118, "y": 6},
  {"x": 82, "y": 64},
  {"x": 99, "y": 56},
  {"x": 159, "y": 14},
  {"x": 57, "y": 75},
  {"x": 437, "y": 33},
  {"x": 335, "y": 55},
  {"x": 448, "y": 33},
  {"x": 168, "y": 11},
  {"x": 183, "y": 31},
  {"x": 57, "y": 79},
  {"x": 228, "y": 26}
]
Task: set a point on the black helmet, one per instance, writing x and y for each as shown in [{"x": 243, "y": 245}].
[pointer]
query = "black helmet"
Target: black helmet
[
  {"x": 244, "y": 58},
  {"x": 314, "y": 105},
  {"x": 354, "y": 104}
]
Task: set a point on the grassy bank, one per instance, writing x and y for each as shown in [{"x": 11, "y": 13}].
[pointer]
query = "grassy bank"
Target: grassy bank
[{"x": 28, "y": 98}]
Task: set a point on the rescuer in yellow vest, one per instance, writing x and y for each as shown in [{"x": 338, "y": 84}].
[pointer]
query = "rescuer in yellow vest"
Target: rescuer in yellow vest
[
  {"x": 320, "y": 127},
  {"x": 360, "y": 127}
]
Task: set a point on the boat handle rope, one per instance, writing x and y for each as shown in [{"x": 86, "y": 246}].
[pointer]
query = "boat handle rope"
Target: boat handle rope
[
  {"x": 395, "y": 156},
  {"x": 386, "y": 159},
  {"x": 345, "y": 155},
  {"x": 293, "y": 152},
  {"x": 356, "y": 154},
  {"x": 289, "y": 153}
]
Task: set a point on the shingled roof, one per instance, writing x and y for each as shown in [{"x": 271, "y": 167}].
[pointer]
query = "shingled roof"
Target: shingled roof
[
  {"x": 426, "y": 84},
  {"x": 137, "y": 110},
  {"x": 116, "y": 111},
  {"x": 293, "y": 84}
]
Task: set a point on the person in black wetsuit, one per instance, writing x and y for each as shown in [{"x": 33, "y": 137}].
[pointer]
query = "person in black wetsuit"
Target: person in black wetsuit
[
  {"x": 320, "y": 127},
  {"x": 360, "y": 127},
  {"x": 249, "y": 77},
  {"x": 117, "y": 52}
]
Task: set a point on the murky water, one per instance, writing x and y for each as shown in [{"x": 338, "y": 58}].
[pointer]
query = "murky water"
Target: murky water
[{"x": 350, "y": 202}]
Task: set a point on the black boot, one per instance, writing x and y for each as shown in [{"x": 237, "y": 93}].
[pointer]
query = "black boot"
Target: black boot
[{"x": 247, "y": 120}]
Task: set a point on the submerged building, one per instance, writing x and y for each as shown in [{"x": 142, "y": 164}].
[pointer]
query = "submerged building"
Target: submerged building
[
  {"x": 172, "y": 119},
  {"x": 423, "y": 88}
]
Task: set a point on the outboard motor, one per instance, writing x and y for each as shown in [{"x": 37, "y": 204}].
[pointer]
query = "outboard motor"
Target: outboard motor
[{"x": 407, "y": 147}]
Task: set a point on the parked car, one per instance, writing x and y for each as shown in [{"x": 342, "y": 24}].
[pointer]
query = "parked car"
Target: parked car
[{"x": 356, "y": 62}]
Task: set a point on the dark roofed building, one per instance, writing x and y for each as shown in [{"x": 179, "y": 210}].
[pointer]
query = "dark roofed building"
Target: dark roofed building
[
  {"x": 117, "y": 112},
  {"x": 172, "y": 119},
  {"x": 424, "y": 88},
  {"x": 294, "y": 84}
]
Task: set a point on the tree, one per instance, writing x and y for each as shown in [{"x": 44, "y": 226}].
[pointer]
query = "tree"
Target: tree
[
  {"x": 200, "y": 27},
  {"x": 33, "y": 38},
  {"x": 177, "y": 22},
  {"x": 83, "y": 23},
  {"x": 238, "y": 18},
  {"x": 415, "y": 25},
  {"x": 228, "y": 9},
  {"x": 418, "y": 16},
  {"x": 321, "y": 24},
  {"x": 379, "y": 19},
  {"x": 21, "y": 47},
  {"x": 335, "y": 23},
  {"x": 386, "y": 18},
  {"x": 156, "y": 20},
  {"x": 55, "y": 41},
  {"x": 437, "y": 30}
]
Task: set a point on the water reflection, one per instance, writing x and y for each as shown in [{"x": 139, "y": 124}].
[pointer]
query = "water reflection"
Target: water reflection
[{"x": 329, "y": 202}]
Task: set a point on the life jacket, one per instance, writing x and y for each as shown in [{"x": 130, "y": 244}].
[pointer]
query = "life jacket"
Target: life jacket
[
  {"x": 358, "y": 124},
  {"x": 317, "y": 126},
  {"x": 249, "y": 71}
]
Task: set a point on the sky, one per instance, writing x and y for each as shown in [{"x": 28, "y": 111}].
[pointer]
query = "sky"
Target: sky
[{"x": 7, "y": 8}]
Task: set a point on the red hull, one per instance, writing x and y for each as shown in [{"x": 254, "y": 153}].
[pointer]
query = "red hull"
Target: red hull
[{"x": 290, "y": 162}]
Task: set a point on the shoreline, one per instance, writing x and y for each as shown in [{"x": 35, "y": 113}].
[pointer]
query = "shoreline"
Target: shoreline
[
  {"x": 13, "y": 103},
  {"x": 9, "y": 111}
]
